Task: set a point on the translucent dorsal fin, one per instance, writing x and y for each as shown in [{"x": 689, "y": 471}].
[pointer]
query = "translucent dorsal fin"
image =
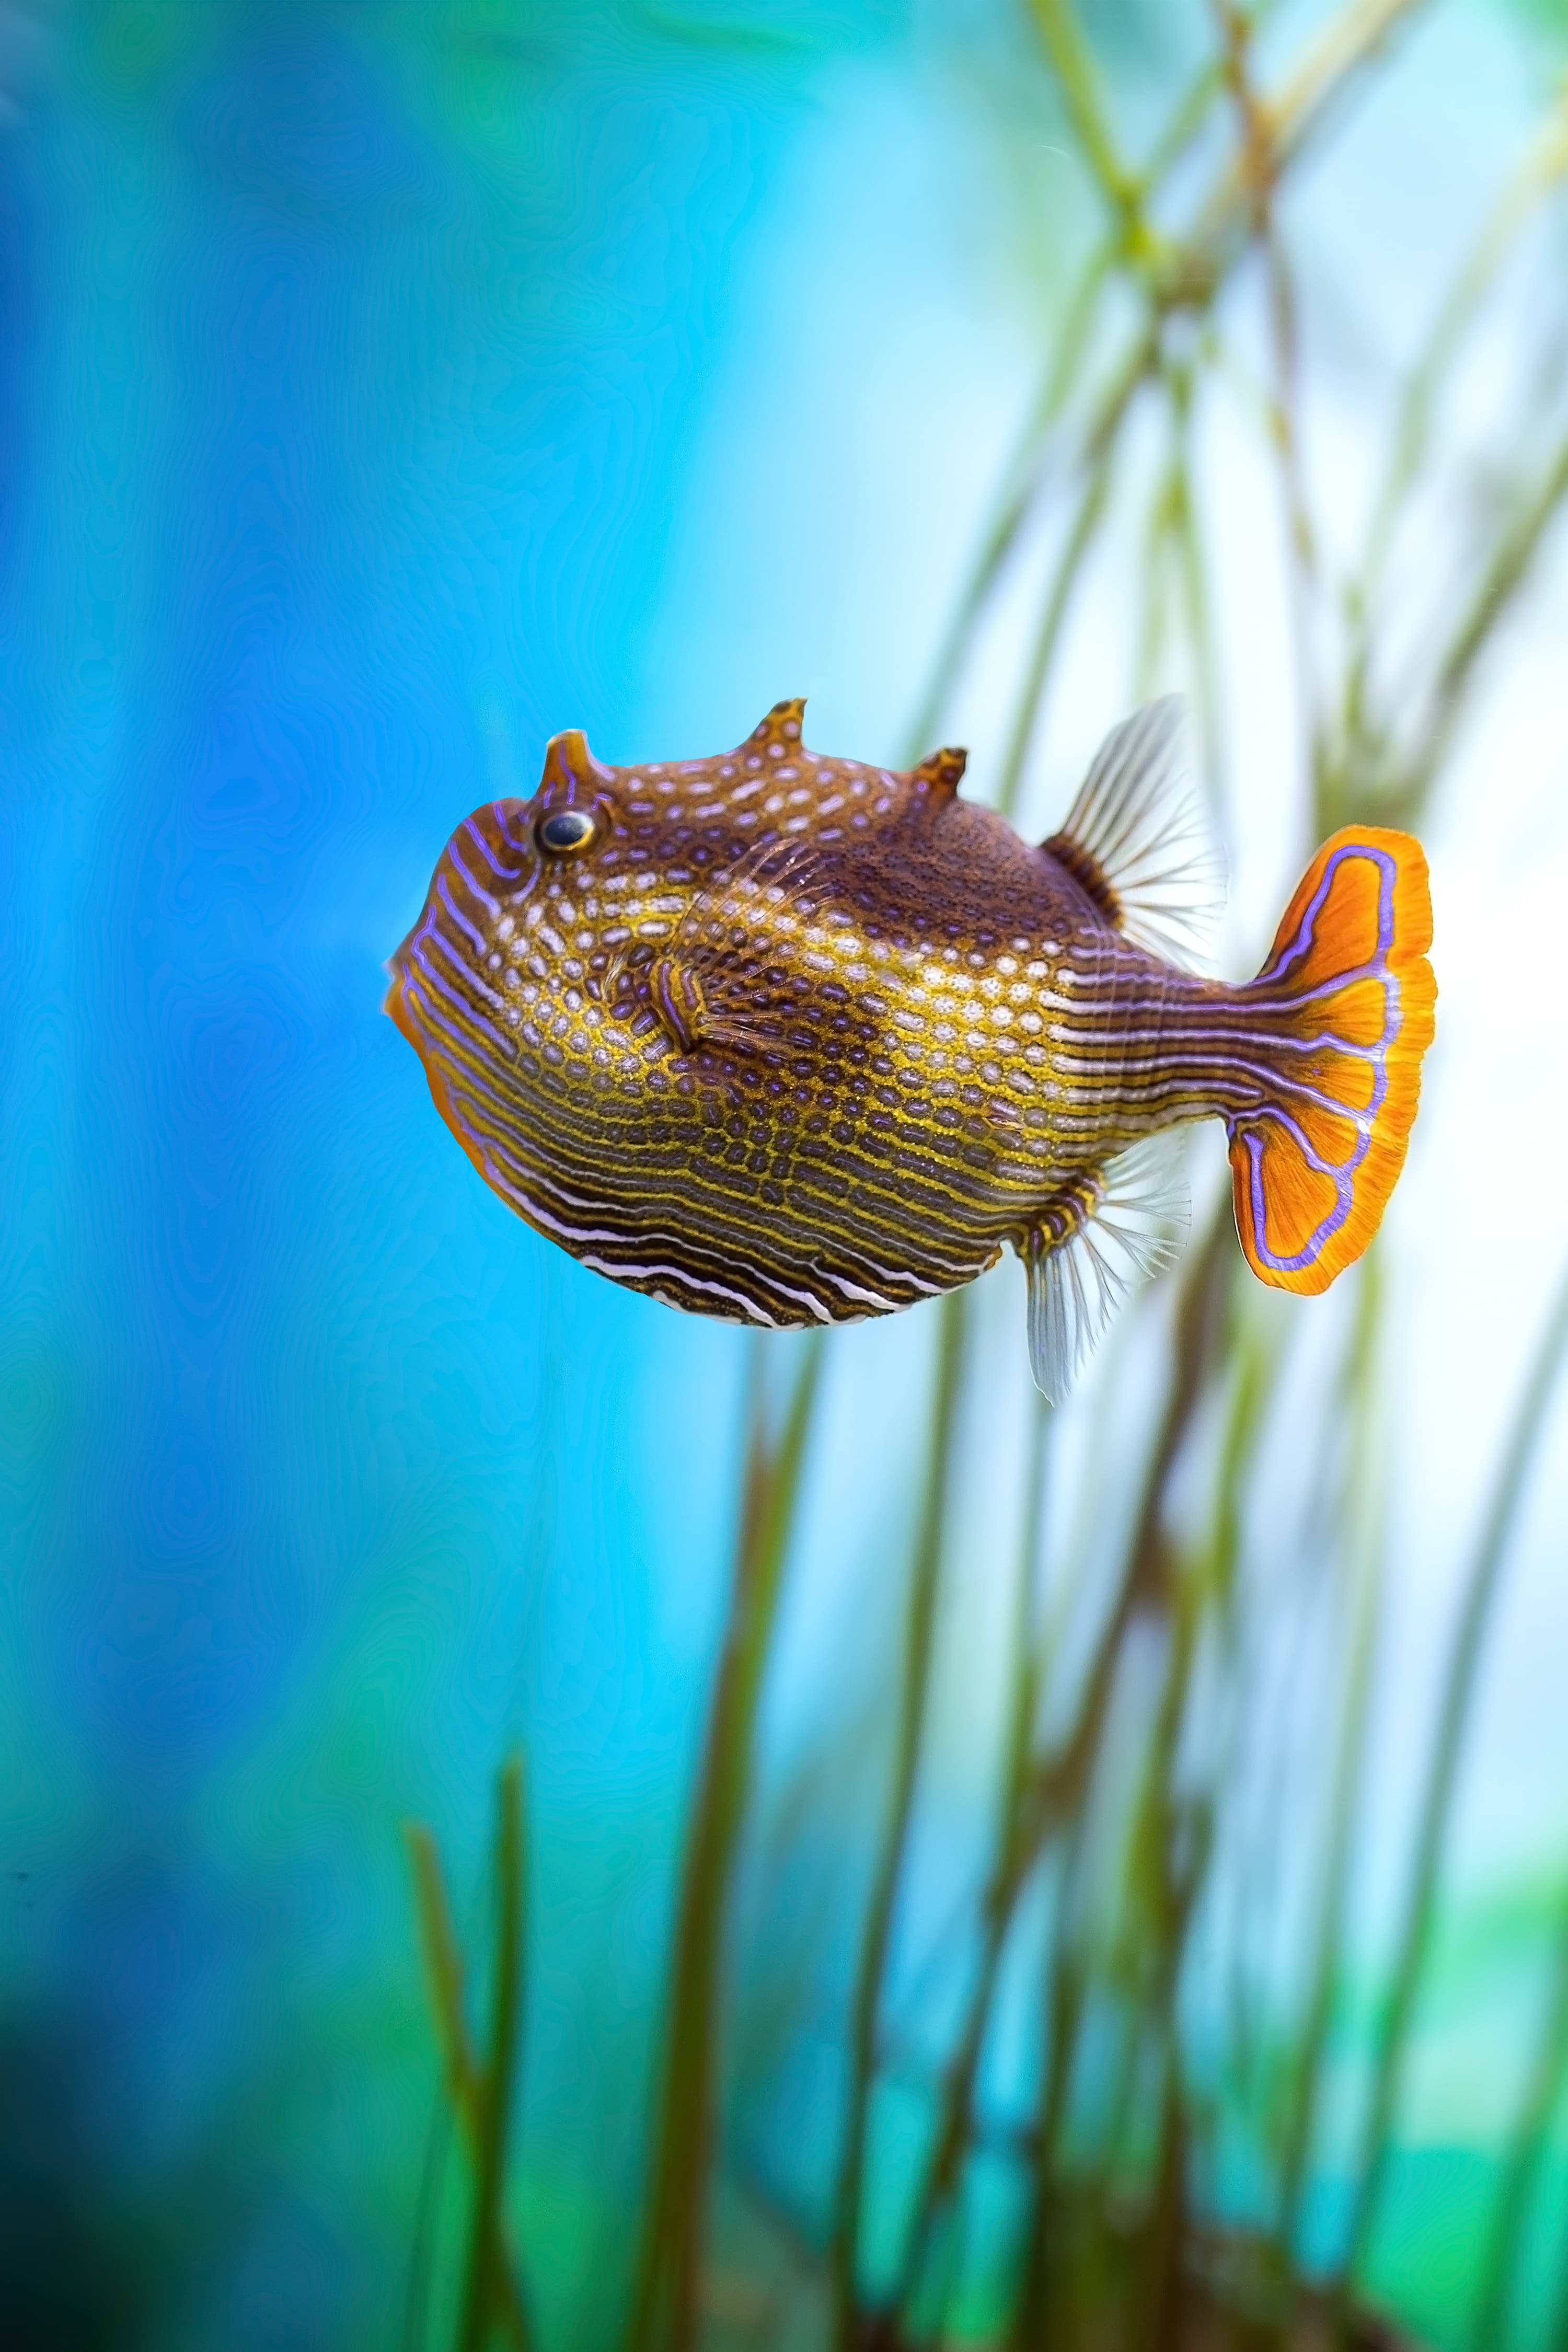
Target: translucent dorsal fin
[
  {"x": 1137, "y": 836},
  {"x": 1094, "y": 1242}
]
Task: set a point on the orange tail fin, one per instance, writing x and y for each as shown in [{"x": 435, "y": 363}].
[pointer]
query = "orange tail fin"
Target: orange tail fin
[{"x": 1345, "y": 1011}]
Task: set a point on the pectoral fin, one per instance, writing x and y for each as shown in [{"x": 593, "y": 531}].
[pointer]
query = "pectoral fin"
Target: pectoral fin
[{"x": 732, "y": 980}]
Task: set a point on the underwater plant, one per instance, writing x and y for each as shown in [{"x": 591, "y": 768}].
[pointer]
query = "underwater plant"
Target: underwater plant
[{"x": 1086, "y": 2196}]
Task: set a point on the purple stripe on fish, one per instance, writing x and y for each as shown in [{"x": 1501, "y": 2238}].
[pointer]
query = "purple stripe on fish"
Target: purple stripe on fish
[
  {"x": 457, "y": 913},
  {"x": 504, "y": 873},
  {"x": 1342, "y": 1173},
  {"x": 483, "y": 896},
  {"x": 1307, "y": 930}
]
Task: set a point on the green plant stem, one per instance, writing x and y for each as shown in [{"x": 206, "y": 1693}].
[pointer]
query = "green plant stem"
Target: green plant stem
[
  {"x": 1065, "y": 1983},
  {"x": 1526, "y": 2153},
  {"x": 1009, "y": 1870},
  {"x": 1061, "y": 1780},
  {"x": 1299, "y": 109},
  {"x": 467, "y": 2088},
  {"x": 444, "y": 1968},
  {"x": 1174, "y": 1840},
  {"x": 664, "y": 2312},
  {"x": 1541, "y": 172},
  {"x": 1022, "y": 475},
  {"x": 1058, "y": 597},
  {"x": 487, "y": 2290},
  {"x": 914, "y": 1682},
  {"x": 1079, "y": 83},
  {"x": 1364, "y": 1500},
  {"x": 1480, "y": 1593},
  {"x": 1021, "y": 483},
  {"x": 1500, "y": 581}
]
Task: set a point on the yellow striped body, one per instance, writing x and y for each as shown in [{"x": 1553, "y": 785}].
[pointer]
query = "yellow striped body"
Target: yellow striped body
[{"x": 793, "y": 1039}]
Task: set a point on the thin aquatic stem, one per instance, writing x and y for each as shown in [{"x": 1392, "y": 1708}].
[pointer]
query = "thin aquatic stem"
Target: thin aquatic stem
[
  {"x": 444, "y": 1968},
  {"x": 1060, "y": 1776},
  {"x": 1173, "y": 1839},
  {"x": 1011, "y": 1863},
  {"x": 1297, "y": 111},
  {"x": 1194, "y": 576},
  {"x": 925, "y": 1565},
  {"x": 1503, "y": 577},
  {"x": 1261, "y": 167},
  {"x": 1526, "y": 2155},
  {"x": 1074, "y": 67},
  {"x": 466, "y": 2082},
  {"x": 1212, "y": 1600},
  {"x": 1058, "y": 596},
  {"x": 1470, "y": 1629},
  {"x": 490, "y": 2288},
  {"x": 1061, "y": 1779},
  {"x": 664, "y": 2311},
  {"x": 1021, "y": 475},
  {"x": 1541, "y": 171},
  {"x": 1188, "y": 276},
  {"x": 1367, "y": 1484},
  {"x": 1064, "y": 1986}
]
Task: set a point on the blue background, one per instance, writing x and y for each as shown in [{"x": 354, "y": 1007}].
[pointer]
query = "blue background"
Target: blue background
[{"x": 382, "y": 387}]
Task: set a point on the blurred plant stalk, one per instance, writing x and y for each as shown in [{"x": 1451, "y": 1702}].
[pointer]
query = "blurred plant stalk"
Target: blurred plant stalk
[
  {"x": 667, "y": 2295},
  {"x": 1164, "y": 281},
  {"x": 482, "y": 2092},
  {"x": 1129, "y": 1817}
]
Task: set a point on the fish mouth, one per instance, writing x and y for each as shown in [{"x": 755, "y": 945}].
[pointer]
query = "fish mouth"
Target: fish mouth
[{"x": 395, "y": 1004}]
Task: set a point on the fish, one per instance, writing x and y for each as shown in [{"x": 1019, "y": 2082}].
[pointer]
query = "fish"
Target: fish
[{"x": 795, "y": 1040}]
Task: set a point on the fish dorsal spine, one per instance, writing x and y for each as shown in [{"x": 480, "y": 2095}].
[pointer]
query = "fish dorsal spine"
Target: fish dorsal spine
[
  {"x": 568, "y": 761},
  {"x": 941, "y": 772},
  {"x": 782, "y": 725}
]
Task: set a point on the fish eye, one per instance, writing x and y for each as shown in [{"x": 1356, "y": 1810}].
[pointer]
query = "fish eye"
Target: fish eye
[{"x": 565, "y": 830}]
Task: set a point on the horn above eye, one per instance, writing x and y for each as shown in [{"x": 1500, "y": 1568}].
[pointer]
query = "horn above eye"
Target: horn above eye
[{"x": 564, "y": 831}]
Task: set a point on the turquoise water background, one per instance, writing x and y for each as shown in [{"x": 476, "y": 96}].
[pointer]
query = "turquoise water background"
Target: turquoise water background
[{"x": 382, "y": 388}]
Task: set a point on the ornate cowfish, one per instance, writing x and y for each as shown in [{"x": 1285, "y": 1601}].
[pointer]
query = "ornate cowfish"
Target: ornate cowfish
[{"x": 790, "y": 1039}]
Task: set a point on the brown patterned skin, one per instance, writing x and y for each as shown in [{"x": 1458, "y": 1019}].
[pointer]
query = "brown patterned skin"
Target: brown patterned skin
[{"x": 787, "y": 1038}]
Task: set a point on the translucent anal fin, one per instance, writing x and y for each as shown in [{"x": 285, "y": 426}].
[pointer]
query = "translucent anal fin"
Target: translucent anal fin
[
  {"x": 1093, "y": 1242},
  {"x": 1137, "y": 836}
]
